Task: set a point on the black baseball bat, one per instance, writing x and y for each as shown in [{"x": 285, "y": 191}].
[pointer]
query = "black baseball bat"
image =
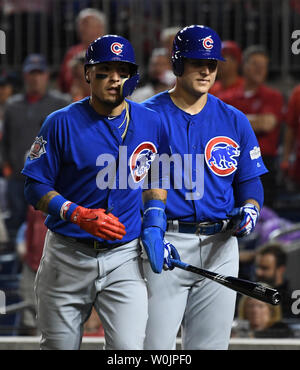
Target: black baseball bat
[{"x": 242, "y": 286}]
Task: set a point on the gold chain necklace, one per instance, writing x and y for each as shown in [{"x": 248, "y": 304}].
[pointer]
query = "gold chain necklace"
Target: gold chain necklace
[{"x": 126, "y": 118}]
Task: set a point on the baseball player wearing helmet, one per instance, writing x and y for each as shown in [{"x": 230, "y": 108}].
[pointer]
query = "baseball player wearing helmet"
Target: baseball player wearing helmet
[
  {"x": 201, "y": 126},
  {"x": 76, "y": 171}
]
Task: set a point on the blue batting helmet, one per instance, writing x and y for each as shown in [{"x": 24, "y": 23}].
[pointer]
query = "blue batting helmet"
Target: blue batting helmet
[
  {"x": 195, "y": 42},
  {"x": 114, "y": 48}
]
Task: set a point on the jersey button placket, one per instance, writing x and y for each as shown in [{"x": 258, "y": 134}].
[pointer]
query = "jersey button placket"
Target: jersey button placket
[{"x": 193, "y": 151}]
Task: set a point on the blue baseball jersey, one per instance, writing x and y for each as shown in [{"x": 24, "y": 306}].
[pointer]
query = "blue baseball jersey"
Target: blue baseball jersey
[
  {"x": 81, "y": 155},
  {"x": 212, "y": 151}
]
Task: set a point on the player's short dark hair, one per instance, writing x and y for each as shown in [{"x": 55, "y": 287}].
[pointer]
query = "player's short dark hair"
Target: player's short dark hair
[
  {"x": 254, "y": 49},
  {"x": 276, "y": 250}
]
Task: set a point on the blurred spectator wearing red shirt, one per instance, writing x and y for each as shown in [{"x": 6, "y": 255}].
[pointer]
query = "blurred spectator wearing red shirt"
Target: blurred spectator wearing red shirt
[
  {"x": 264, "y": 108},
  {"x": 228, "y": 78},
  {"x": 291, "y": 144},
  {"x": 90, "y": 24}
]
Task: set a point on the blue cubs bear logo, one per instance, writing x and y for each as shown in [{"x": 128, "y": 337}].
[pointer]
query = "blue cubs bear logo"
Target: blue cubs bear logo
[
  {"x": 143, "y": 162},
  {"x": 220, "y": 153},
  {"x": 140, "y": 160},
  {"x": 222, "y": 156}
]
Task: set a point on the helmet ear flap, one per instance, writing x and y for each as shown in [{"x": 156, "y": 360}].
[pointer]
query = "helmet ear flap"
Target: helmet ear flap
[
  {"x": 178, "y": 65},
  {"x": 129, "y": 84}
]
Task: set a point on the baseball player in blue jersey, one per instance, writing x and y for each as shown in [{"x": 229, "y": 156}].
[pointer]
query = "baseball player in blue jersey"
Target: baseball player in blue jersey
[
  {"x": 86, "y": 169},
  {"x": 221, "y": 173}
]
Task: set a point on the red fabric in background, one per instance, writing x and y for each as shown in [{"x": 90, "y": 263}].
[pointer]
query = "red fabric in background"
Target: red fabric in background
[{"x": 34, "y": 237}]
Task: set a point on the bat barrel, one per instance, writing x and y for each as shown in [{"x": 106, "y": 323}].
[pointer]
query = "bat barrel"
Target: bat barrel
[
  {"x": 271, "y": 295},
  {"x": 246, "y": 287},
  {"x": 276, "y": 298}
]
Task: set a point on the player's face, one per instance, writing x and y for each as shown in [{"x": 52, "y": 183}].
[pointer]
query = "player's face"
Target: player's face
[
  {"x": 106, "y": 80},
  {"x": 199, "y": 76},
  {"x": 265, "y": 268}
]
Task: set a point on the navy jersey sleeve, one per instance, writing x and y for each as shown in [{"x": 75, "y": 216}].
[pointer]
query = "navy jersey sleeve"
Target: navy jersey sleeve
[
  {"x": 250, "y": 161},
  {"x": 43, "y": 161}
]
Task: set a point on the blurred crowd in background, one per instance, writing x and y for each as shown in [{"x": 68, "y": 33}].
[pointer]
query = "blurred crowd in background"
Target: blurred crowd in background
[{"x": 29, "y": 93}]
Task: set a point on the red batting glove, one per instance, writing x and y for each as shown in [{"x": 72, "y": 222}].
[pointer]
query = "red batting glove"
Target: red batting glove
[{"x": 98, "y": 223}]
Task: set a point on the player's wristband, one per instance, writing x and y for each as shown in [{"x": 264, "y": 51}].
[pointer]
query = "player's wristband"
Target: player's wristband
[
  {"x": 59, "y": 206},
  {"x": 154, "y": 214}
]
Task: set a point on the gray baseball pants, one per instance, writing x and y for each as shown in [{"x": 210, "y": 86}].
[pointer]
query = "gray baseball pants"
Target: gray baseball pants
[
  {"x": 204, "y": 308},
  {"x": 73, "y": 277}
]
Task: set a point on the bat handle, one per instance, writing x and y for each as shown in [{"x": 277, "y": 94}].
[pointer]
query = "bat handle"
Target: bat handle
[{"x": 178, "y": 263}]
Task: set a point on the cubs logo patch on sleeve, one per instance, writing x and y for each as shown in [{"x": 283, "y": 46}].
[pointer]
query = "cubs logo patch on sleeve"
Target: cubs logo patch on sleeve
[
  {"x": 140, "y": 160},
  {"x": 220, "y": 153},
  {"x": 37, "y": 148}
]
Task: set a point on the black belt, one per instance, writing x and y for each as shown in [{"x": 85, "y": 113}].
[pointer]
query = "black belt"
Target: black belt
[
  {"x": 204, "y": 228},
  {"x": 182, "y": 227},
  {"x": 95, "y": 244}
]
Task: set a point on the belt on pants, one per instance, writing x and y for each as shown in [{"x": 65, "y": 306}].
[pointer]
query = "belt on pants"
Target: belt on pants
[
  {"x": 96, "y": 244},
  {"x": 204, "y": 228}
]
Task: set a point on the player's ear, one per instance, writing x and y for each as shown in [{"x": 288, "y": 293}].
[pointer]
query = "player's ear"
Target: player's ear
[{"x": 87, "y": 77}]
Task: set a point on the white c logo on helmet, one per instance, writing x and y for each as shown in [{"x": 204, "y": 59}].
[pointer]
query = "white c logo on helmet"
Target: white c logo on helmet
[
  {"x": 116, "y": 48},
  {"x": 208, "y": 43}
]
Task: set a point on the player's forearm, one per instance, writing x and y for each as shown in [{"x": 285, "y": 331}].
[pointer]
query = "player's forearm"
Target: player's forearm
[
  {"x": 250, "y": 191},
  {"x": 157, "y": 194},
  {"x": 39, "y": 195},
  {"x": 44, "y": 198},
  {"x": 43, "y": 203}
]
